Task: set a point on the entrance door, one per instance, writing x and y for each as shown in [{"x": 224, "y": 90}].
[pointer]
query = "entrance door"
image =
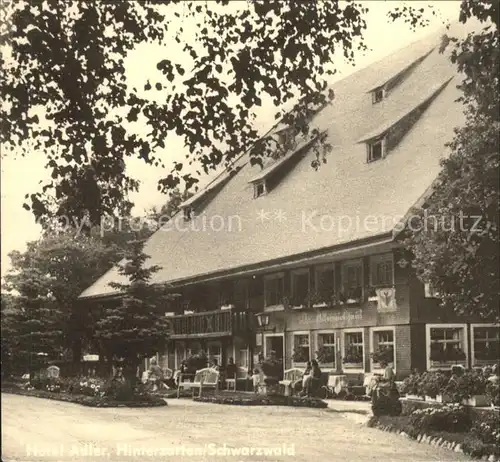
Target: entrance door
[{"x": 275, "y": 343}]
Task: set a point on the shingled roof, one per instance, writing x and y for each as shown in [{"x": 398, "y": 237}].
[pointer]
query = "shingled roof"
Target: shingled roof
[{"x": 308, "y": 210}]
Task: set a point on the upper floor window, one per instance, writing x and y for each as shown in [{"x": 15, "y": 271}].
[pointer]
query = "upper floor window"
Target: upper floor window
[
  {"x": 352, "y": 279},
  {"x": 259, "y": 189},
  {"x": 430, "y": 291},
  {"x": 273, "y": 289},
  {"x": 381, "y": 270},
  {"x": 375, "y": 150},
  {"x": 188, "y": 213},
  {"x": 300, "y": 286},
  {"x": 325, "y": 281},
  {"x": 378, "y": 95}
]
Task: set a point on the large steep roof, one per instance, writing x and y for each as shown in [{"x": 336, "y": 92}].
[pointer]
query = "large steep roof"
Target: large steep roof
[{"x": 310, "y": 210}]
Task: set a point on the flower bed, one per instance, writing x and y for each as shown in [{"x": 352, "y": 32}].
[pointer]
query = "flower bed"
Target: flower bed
[
  {"x": 91, "y": 401},
  {"x": 467, "y": 442},
  {"x": 259, "y": 400}
]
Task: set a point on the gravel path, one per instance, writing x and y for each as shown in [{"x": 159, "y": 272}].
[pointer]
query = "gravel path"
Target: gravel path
[{"x": 39, "y": 430}]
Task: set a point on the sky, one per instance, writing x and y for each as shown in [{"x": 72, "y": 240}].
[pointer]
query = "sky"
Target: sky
[{"x": 20, "y": 176}]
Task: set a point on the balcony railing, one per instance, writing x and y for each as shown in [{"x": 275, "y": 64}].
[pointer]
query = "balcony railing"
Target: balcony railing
[{"x": 209, "y": 324}]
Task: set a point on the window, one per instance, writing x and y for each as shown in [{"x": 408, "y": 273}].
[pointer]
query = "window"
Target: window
[
  {"x": 378, "y": 95},
  {"x": 352, "y": 283},
  {"x": 446, "y": 345},
  {"x": 353, "y": 349},
  {"x": 188, "y": 213},
  {"x": 300, "y": 286},
  {"x": 259, "y": 189},
  {"x": 382, "y": 346},
  {"x": 325, "y": 282},
  {"x": 326, "y": 349},
  {"x": 381, "y": 271},
  {"x": 485, "y": 344},
  {"x": 375, "y": 150},
  {"x": 273, "y": 288},
  {"x": 430, "y": 291},
  {"x": 301, "y": 351}
]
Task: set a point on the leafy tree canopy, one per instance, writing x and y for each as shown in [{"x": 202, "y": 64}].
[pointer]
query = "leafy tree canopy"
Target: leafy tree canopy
[
  {"x": 455, "y": 237},
  {"x": 65, "y": 92}
]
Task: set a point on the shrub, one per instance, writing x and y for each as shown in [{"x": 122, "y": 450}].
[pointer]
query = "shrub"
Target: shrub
[
  {"x": 88, "y": 386},
  {"x": 45, "y": 383},
  {"x": 118, "y": 390},
  {"x": 467, "y": 385},
  {"x": 434, "y": 383},
  {"x": 493, "y": 392},
  {"x": 450, "y": 418},
  {"x": 411, "y": 385},
  {"x": 488, "y": 430}
]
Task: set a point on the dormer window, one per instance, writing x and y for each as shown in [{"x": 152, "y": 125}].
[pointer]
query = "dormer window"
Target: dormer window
[
  {"x": 259, "y": 189},
  {"x": 376, "y": 150},
  {"x": 188, "y": 213},
  {"x": 378, "y": 95}
]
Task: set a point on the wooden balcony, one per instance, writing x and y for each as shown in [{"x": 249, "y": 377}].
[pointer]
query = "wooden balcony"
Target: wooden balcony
[{"x": 219, "y": 323}]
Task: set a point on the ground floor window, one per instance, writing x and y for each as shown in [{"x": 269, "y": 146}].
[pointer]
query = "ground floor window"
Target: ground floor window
[
  {"x": 353, "y": 350},
  {"x": 446, "y": 345},
  {"x": 301, "y": 348},
  {"x": 326, "y": 349},
  {"x": 382, "y": 347},
  {"x": 485, "y": 344}
]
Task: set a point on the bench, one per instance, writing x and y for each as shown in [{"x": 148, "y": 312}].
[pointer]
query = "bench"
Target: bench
[
  {"x": 290, "y": 377},
  {"x": 204, "y": 378},
  {"x": 241, "y": 374}
]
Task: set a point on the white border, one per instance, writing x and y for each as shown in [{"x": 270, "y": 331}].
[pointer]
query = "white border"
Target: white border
[
  {"x": 472, "y": 326},
  {"x": 268, "y": 277},
  {"x": 428, "y": 328},
  {"x": 301, "y": 332},
  {"x": 348, "y": 331},
  {"x": 381, "y": 257},
  {"x": 317, "y": 333},
  {"x": 382, "y": 329}
]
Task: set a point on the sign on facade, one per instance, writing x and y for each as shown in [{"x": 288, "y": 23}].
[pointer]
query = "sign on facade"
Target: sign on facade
[
  {"x": 53, "y": 372},
  {"x": 386, "y": 299}
]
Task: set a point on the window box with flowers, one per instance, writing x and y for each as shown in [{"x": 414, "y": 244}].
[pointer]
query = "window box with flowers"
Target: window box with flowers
[
  {"x": 351, "y": 296},
  {"x": 372, "y": 295},
  {"x": 326, "y": 356},
  {"x": 383, "y": 354},
  {"x": 433, "y": 384},
  {"x": 300, "y": 355},
  {"x": 446, "y": 357},
  {"x": 412, "y": 387}
]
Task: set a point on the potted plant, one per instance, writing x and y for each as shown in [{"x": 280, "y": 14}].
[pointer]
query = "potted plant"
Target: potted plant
[
  {"x": 353, "y": 358},
  {"x": 433, "y": 384},
  {"x": 412, "y": 387},
  {"x": 470, "y": 389},
  {"x": 354, "y": 295},
  {"x": 326, "y": 355},
  {"x": 383, "y": 354}
]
